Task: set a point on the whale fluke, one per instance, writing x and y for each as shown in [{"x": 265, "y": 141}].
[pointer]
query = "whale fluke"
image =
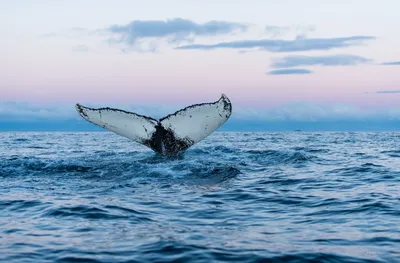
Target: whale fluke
[{"x": 170, "y": 135}]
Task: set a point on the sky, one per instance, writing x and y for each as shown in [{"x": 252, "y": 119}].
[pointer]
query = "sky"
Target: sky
[{"x": 287, "y": 64}]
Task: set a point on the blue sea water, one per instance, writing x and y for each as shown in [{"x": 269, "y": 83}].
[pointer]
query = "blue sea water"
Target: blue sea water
[{"x": 241, "y": 197}]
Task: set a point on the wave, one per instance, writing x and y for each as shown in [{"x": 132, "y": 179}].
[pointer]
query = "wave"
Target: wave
[
  {"x": 151, "y": 167},
  {"x": 273, "y": 157},
  {"x": 392, "y": 153},
  {"x": 173, "y": 251}
]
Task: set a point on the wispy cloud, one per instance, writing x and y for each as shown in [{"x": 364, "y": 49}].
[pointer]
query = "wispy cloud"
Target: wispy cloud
[
  {"x": 275, "y": 31},
  {"x": 332, "y": 60},
  {"x": 289, "y": 72},
  {"x": 303, "y": 31},
  {"x": 24, "y": 111},
  {"x": 299, "y": 44},
  {"x": 273, "y": 28},
  {"x": 174, "y": 30},
  {"x": 309, "y": 111},
  {"x": 387, "y": 91},
  {"x": 299, "y": 30},
  {"x": 393, "y": 63},
  {"x": 81, "y": 48}
]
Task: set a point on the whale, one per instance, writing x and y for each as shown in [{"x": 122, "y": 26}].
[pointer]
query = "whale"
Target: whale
[{"x": 169, "y": 136}]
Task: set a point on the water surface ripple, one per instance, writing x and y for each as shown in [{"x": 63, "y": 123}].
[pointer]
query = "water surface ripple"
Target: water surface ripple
[{"x": 244, "y": 197}]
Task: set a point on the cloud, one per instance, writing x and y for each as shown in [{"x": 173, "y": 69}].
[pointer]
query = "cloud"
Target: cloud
[
  {"x": 175, "y": 30},
  {"x": 271, "y": 28},
  {"x": 309, "y": 111},
  {"x": 332, "y": 60},
  {"x": 24, "y": 111},
  {"x": 300, "y": 30},
  {"x": 299, "y": 44},
  {"x": 147, "y": 35},
  {"x": 289, "y": 71},
  {"x": 81, "y": 48},
  {"x": 289, "y": 116},
  {"x": 150, "y": 35},
  {"x": 275, "y": 31},
  {"x": 393, "y": 63},
  {"x": 387, "y": 91}
]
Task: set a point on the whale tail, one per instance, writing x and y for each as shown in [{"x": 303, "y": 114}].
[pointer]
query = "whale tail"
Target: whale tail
[{"x": 171, "y": 134}]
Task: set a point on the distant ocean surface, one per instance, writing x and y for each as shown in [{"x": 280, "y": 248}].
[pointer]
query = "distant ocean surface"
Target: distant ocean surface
[{"x": 241, "y": 197}]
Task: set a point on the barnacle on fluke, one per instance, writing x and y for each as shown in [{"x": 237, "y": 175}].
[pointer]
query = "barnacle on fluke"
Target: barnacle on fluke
[{"x": 172, "y": 134}]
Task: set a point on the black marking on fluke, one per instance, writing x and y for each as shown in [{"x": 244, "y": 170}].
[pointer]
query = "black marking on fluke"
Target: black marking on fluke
[
  {"x": 166, "y": 138},
  {"x": 163, "y": 140},
  {"x": 80, "y": 110}
]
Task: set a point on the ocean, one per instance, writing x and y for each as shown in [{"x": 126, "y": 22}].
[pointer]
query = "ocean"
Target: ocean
[{"x": 234, "y": 197}]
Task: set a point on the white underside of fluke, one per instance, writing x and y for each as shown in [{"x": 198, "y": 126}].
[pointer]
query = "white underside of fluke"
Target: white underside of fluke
[
  {"x": 192, "y": 123},
  {"x": 198, "y": 121},
  {"x": 130, "y": 125}
]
